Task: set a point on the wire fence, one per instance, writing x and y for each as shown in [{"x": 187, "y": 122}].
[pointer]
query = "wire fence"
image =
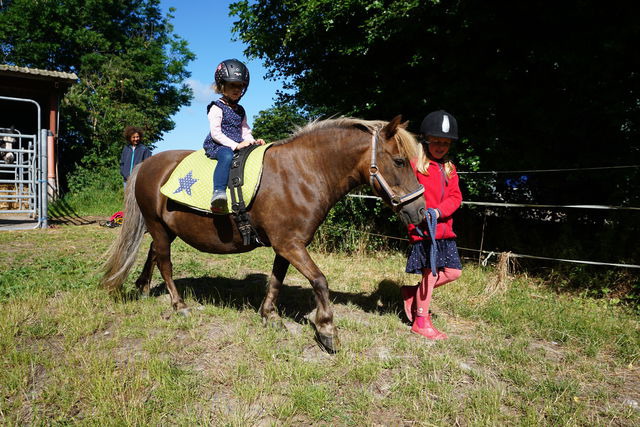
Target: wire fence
[{"x": 490, "y": 253}]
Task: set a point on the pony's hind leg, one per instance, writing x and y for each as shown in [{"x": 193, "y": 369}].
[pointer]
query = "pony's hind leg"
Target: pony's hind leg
[
  {"x": 144, "y": 281},
  {"x": 326, "y": 332},
  {"x": 162, "y": 247},
  {"x": 268, "y": 307}
]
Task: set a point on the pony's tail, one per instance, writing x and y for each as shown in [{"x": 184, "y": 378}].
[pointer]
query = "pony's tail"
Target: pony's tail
[{"x": 123, "y": 251}]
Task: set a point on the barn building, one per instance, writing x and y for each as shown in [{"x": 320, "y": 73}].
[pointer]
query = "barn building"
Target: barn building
[{"x": 29, "y": 121}]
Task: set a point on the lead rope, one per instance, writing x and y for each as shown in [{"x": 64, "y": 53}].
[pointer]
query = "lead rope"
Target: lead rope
[{"x": 432, "y": 222}]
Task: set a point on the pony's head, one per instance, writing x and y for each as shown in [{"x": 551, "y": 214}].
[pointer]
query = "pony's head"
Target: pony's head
[{"x": 391, "y": 175}]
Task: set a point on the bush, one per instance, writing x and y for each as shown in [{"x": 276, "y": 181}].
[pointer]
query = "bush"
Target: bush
[
  {"x": 92, "y": 191},
  {"x": 359, "y": 225}
]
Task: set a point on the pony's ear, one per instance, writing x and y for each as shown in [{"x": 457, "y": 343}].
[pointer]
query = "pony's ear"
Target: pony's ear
[{"x": 390, "y": 130}]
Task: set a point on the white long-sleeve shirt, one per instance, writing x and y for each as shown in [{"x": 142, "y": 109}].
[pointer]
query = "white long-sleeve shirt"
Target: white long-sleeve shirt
[{"x": 215, "y": 127}]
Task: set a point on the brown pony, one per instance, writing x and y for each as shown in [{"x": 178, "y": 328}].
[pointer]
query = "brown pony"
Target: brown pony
[{"x": 302, "y": 178}]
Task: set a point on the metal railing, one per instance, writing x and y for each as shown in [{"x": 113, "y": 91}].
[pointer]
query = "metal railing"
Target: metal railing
[{"x": 23, "y": 177}]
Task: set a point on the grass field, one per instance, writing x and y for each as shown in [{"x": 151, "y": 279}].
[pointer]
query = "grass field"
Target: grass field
[{"x": 71, "y": 354}]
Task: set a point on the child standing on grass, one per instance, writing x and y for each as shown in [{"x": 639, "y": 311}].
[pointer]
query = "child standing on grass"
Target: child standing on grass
[
  {"x": 442, "y": 196},
  {"x": 133, "y": 152},
  {"x": 228, "y": 128}
]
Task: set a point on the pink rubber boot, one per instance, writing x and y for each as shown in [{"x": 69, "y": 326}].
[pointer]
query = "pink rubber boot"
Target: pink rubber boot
[
  {"x": 409, "y": 300},
  {"x": 422, "y": 324}
]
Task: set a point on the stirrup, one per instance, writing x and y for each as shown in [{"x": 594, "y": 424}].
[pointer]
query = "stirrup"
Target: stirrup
[{"x": 219, "y": 205}]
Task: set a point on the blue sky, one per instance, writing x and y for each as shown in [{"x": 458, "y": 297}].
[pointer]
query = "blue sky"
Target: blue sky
[{"x": 206, "y": 26}]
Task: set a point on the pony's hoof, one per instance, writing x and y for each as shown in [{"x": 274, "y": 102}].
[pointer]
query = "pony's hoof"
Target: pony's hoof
[
  {"x": 144, "y": 291},
  {"x": 185, "y": 312},
  {"x": 330, "y": 344}
]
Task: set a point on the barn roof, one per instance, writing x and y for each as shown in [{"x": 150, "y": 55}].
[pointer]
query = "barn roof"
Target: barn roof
[{"x": 37, "y": 74}]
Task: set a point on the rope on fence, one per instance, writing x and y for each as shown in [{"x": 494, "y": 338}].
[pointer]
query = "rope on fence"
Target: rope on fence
[
  {"x": 575, "y": 261},
  {"x": 548, "y": 170},
  {"x": 494, "y": 253},
  {"x": 525, "y": 205}
]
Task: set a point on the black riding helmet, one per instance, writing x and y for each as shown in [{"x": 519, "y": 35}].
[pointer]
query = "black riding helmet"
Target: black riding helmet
[
  {"x": 232, "y": 70},
  {"x": 439, "y": 123}
]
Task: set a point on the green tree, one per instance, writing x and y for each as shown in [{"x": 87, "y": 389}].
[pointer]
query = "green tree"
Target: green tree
[
  {"x": 130, "y": 64},
  {"x": 532, "y": 86},
  {"x": 278, "y": 122}
]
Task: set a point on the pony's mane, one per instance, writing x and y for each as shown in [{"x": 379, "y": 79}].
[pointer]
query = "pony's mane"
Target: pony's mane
[{"x": 407, "y": 142}]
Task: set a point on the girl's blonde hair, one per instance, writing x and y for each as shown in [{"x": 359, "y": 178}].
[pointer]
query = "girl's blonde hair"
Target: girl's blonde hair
[
  {"x": 217, "y": 88},
  {"x": 422, "y": 165}
]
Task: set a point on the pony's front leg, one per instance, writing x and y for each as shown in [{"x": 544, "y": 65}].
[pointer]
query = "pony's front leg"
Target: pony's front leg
[
  {"x": 268, "y": 307},
  {"x": 326, "y": 332}
]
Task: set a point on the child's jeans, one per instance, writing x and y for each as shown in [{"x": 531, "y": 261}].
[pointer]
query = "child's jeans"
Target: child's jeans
[{"x": 224, "y": 156}]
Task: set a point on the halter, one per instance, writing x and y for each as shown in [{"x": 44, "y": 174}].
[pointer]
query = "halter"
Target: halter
[{"x": 374, "y": 175}]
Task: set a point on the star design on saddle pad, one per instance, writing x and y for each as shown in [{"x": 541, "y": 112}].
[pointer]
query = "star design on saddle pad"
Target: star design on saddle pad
[{"x": 185, "y": 183}]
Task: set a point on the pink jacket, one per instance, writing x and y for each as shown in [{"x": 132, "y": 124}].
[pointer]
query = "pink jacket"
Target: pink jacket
[{"x": 440, "y": 193}]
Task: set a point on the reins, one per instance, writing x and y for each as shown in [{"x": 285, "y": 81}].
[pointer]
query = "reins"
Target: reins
[{"x": 375, "y": 175}]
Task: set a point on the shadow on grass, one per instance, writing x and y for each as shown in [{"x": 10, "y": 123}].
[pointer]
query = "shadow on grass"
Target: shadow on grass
[
  {"x": 294, "y": 301},
  {"x": 60, "y": 212}
]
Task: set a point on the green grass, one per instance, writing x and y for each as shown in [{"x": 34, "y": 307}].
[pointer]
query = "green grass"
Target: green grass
[{"x": 70, "y": 353}]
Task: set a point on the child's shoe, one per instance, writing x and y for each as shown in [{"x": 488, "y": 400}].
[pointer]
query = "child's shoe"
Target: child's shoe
[
  {"x": 422, "y": 326},
  {"x": 219, "y": 201},
  {"x": 409, "y": 300}
]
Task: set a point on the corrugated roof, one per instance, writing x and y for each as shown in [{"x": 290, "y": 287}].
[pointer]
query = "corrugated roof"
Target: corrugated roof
[{"x": 39, "y": 73}]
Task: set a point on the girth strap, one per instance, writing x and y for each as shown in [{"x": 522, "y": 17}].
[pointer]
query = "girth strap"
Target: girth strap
[{"x": 236, "y": 180}]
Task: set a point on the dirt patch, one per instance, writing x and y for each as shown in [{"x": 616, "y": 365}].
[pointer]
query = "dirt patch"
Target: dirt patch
[
  {"x": 550, "y": 350},
  {"x": 630, "y": 389}
]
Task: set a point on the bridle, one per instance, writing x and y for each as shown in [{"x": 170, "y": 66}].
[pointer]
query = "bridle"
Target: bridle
[{"x": 375, "y": 175}]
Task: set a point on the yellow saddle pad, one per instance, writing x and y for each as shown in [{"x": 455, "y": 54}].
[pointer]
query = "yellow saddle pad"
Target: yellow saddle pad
[{"x": 191, "y": 183}]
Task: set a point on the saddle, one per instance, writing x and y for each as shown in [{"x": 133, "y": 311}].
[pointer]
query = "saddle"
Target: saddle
[{"x": 191, "y": 184}]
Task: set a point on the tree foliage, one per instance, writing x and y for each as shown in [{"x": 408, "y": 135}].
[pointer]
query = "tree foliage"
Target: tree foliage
[
  {"x": 533, "y": 85},
  {"x": 130, "y": 65},
  {"x": 278, "y": 122}
]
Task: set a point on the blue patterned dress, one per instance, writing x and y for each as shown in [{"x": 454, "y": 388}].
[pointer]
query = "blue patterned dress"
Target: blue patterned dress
[{"x": 231, "y": 127}]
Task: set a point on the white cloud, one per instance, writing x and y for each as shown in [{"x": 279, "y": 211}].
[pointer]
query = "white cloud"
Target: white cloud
[{"x": 202, "y": 92}]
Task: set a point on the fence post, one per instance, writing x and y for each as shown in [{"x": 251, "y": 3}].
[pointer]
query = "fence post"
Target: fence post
[
  {"x": 43, "y": 185},
  {"x": 484, "y": 224}
]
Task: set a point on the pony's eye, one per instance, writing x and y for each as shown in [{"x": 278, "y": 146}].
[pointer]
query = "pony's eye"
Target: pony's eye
[{"x": 400, "y": 163}]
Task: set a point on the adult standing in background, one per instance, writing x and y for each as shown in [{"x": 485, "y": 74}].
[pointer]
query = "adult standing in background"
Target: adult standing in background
[{"x": 132, "y": 153}]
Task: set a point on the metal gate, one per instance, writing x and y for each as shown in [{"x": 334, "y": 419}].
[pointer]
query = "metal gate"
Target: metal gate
[{"x": 23, "y": 171}]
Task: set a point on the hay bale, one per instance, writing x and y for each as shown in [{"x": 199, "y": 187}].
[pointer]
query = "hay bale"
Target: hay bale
[
  {"x": 7, "y": 190},
  {"x": 504, "y": 269}
]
